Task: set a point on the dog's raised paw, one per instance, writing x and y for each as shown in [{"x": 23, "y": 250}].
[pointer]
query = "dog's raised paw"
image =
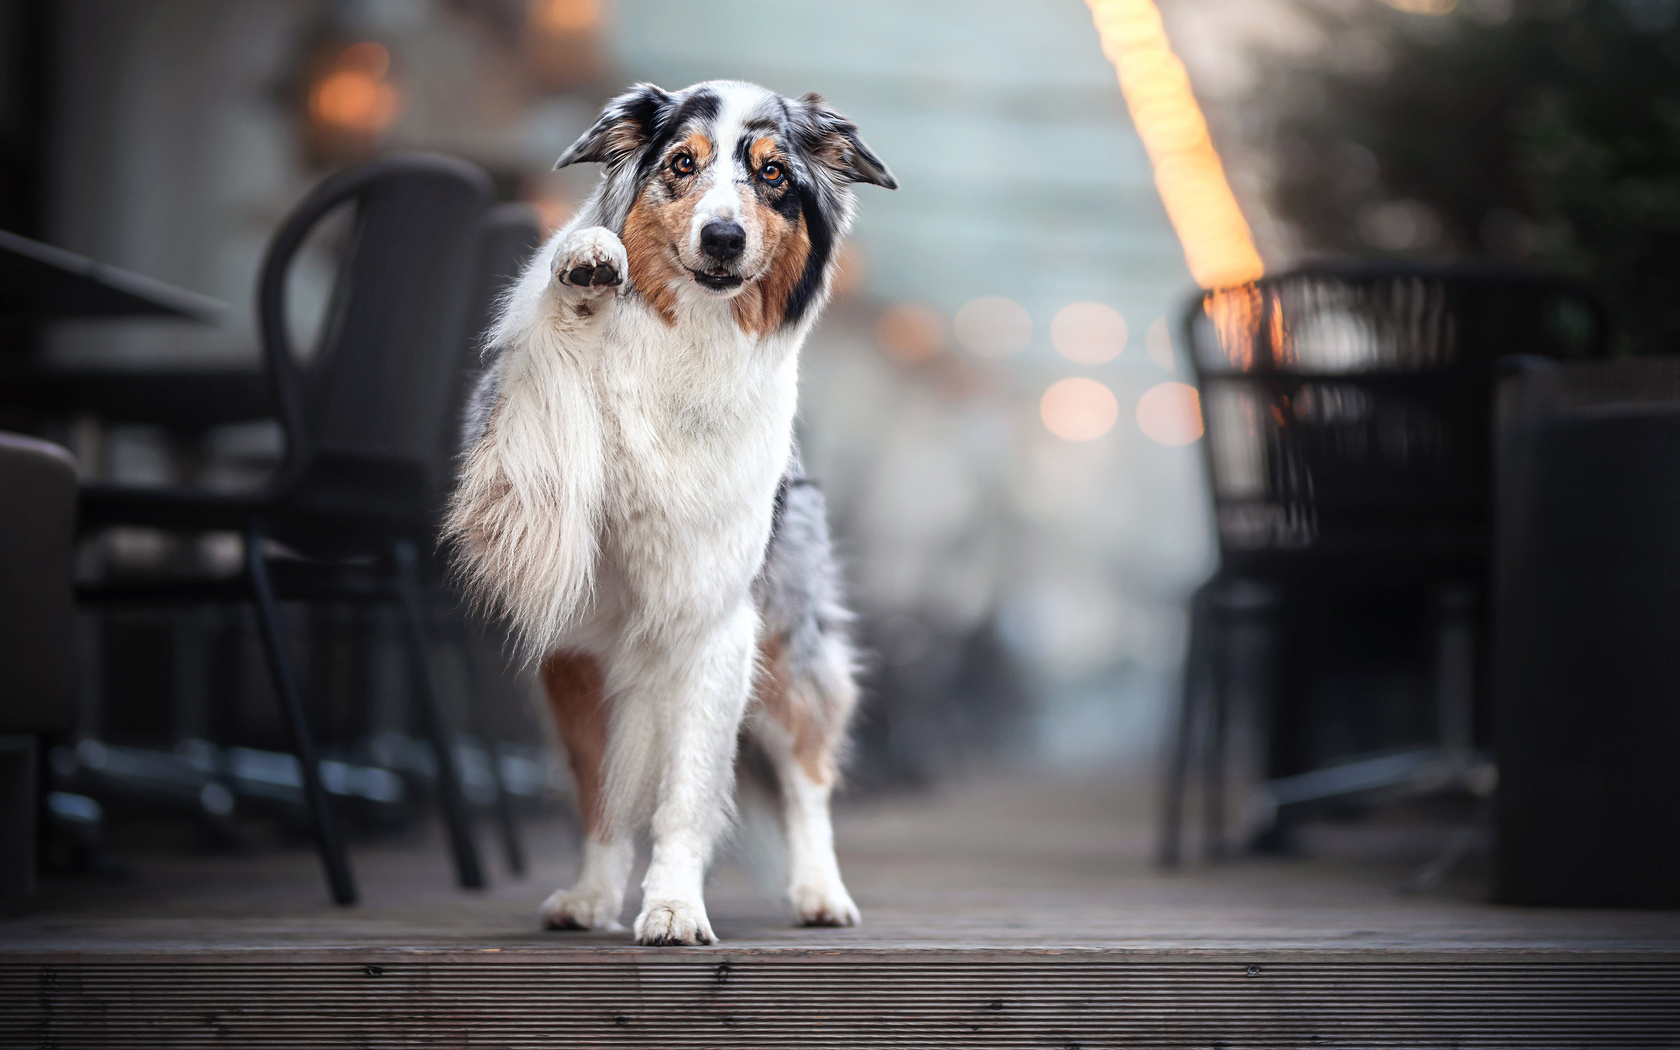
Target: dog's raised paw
[
  {"x": 570, "y": 910},
  {"x": 673, "y": 922},
  {"x": 591, "y": 261},
  {"x": 819, "y": 906}
]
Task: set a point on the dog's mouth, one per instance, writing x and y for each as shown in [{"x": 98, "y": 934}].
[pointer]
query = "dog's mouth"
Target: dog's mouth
[{"x": 718, "y": 280}]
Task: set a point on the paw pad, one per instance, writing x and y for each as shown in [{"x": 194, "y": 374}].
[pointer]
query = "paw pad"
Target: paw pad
[{"x": 600, "y": 276}]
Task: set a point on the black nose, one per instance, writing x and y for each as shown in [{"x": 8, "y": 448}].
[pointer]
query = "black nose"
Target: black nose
[{"x": 722, "y": 240}]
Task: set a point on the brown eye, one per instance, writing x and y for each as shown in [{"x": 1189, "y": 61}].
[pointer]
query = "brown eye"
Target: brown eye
[
  {"x": 683, "y": 164},
  {"x": 771, "y": 173}
]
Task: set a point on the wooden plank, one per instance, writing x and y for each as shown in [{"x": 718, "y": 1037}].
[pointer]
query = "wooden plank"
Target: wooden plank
[{"x": 812, "y": 999}]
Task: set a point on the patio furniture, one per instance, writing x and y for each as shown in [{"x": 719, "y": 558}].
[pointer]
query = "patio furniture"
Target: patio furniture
[
  {"x": 1585, "y": 653},
  {"x": 39, "y": 281},
  {"x": 507, "y": 239},
  {"x": 1347, "y": 434},
  {"x": 37, "y": 524},
  {"x": 350, "y": 516}
]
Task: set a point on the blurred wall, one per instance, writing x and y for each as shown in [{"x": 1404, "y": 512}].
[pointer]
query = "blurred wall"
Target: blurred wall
[{"x": 1022, "y": 592}]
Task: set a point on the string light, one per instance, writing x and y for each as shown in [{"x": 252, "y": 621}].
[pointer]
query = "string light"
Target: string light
[{"x": 1218, "y": 247}]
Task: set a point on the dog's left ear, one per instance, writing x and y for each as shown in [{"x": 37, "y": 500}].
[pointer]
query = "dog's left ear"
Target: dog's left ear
[
  {"x": 624, "y": 127},
  {"x": 833, "y": 141}
]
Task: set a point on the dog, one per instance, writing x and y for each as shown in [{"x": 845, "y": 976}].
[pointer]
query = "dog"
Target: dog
[{"x": 630, "y": 499}]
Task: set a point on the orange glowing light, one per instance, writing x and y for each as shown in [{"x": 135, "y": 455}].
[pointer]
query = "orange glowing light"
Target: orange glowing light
[
  {"x": 564, "y": 16},
  {"x": 1235, "y": 313},
  {"x": 911, "y": 332},
  {"x": 1423, "y": 7},
  {"x": 1089, "y": 333},
  {"x": 353, "y": 94},
  {"x": 1078, "y": 409},
  {"x": 1170, "y": 414},
  {"x": 992, "y": 326},
  {"x": 1218, "y": 247}
]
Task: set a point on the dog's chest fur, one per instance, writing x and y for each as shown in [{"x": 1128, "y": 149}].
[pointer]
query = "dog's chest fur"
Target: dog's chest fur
[{"x": 696, "y": 431}]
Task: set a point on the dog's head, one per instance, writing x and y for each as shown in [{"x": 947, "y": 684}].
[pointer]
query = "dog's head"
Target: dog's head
[{"x": 725, "y": 190}]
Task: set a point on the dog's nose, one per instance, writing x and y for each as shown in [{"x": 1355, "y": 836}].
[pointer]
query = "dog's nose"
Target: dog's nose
[{"x": 722, "y": 239}]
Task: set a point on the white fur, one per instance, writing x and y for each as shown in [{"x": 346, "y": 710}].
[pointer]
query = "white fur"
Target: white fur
[{"x": 623, "y": 484}]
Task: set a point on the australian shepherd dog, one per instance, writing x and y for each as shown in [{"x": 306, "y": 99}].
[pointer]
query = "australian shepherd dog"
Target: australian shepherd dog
[{"x": 631, "y": 502}]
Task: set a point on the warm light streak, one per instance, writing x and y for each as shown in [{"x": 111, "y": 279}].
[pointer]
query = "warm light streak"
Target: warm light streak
[
  {"x": 1170, "y": 414},
  {"x": 1218, "y": 247},
  {"x": 1078, "y": 409},
  {"x": 1235, "y": 313}
]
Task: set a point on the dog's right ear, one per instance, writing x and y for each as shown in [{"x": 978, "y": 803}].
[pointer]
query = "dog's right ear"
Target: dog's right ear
[{"x": 624, "y": 127}]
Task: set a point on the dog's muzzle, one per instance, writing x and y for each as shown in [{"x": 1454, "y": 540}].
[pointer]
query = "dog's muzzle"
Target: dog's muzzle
[{"x": 721, "y": 243}]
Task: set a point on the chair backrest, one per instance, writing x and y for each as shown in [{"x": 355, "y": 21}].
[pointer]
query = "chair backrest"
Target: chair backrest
[
  {"x": 1347, "y": 407},
  {"x": 506, "y": 240},
  {"x": 364, "y": 416},
  {"x": 37, "y": 526}
]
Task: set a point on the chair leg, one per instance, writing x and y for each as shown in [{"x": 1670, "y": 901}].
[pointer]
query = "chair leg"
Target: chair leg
[
  {"x": 512, "y": 849},
  {"x": 468, "y": 873},
  {"x": 1178, "y": 769},
  {"x": 1213, "y": 757},
  {"x": 327, "y": 840}
]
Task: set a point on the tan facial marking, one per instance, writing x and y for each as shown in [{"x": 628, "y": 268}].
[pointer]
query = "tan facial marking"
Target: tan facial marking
[
  {"x": 700, "y": 147},
  {"x": 650, "y": 231},
  {"x": 760, "y": 306}
]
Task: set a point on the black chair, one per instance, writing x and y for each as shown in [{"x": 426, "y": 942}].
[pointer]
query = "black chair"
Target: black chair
[
  {"x": 1587, "y": 670},
  {"x": 1346, "y": 409},
  {"x": 507, "y": 239},
  {"x": 351, "y": 513},
  {"x": 37, "y": 525}
]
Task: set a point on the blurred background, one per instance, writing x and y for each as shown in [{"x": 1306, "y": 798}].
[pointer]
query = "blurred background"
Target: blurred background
[{"x": 999, "y": 402}]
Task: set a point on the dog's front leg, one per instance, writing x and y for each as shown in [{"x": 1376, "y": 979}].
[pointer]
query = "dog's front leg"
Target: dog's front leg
[{"x": 706, "y": 683}]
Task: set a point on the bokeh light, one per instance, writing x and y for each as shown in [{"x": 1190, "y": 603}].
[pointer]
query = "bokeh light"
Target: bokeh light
[
  {"x": 1170, "y": 414},
  {"x": 992, "y": 326},
  {"x": 1078, "y": 409},
  {"x": 850, "y": 269},
  {"x": 1089, "y": 333},
  {"x": 1423, "y": 7},
  {"x": 353, "y": 95},
  {"x": 564, "y": 16},
  {"x": 911, "y": 332},
  {"x": 1158, "y": 341}
]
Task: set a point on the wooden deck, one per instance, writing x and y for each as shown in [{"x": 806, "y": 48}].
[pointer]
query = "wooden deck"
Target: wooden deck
[{"x": 1013, "y": 914}]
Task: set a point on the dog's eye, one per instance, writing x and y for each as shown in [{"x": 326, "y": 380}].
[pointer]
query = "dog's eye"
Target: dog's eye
[
  {"x": 683, "y": 164},
  {"x": 771, "y": 173}
]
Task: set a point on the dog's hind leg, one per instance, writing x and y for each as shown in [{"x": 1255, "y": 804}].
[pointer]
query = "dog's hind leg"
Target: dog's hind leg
[
  {"x": 799, "y": 723},
  {"x": 574, "y": 684}
]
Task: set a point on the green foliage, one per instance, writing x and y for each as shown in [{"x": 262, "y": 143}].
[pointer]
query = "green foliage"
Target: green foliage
[{"x": 1541, "y": 132}]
